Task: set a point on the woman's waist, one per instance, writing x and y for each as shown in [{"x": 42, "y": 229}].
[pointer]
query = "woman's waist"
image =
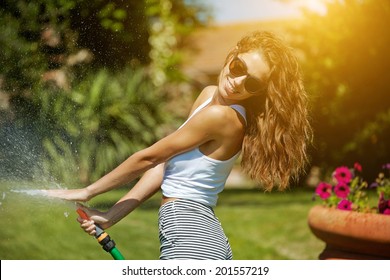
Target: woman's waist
[
  {"x": 167, "y": 199},
  {"x": 206, "y": 197},
  {"x": 206, "y": 193},
  {"x": 185, "y": 202}
]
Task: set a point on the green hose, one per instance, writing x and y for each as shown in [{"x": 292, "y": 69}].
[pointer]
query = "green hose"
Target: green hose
[{"x": 116, "y": 254}]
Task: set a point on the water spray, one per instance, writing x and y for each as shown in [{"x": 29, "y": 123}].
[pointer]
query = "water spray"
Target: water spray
[{"x": 103, "y": 238}]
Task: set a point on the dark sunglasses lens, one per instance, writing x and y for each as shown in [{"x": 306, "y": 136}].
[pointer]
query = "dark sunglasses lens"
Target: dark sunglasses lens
[
  {"x": 252, "y": 85},
  {"x": 237, "y": 67}
]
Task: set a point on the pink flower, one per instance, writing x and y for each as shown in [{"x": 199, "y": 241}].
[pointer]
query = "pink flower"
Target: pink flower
[
  {"x": 386, "y": 166},
  {"x": 324, "y": 190},
  {"x": 383, "y": 204},
  {"x": 345, "y": 205},
  {"x": 357, "y": 166},
  {"x": 343, "y": 174},
  {"x": 342, "y": 190}
]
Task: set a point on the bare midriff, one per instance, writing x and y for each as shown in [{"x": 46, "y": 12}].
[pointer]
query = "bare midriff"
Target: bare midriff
[{"x": 167, "y": 199}]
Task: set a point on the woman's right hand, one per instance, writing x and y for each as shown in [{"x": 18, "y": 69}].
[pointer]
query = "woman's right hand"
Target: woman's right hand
[{"x": 94, "y": 217}]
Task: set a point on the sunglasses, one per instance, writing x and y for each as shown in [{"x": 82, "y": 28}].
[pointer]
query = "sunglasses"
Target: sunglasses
[{"x": 238, "y": 68}]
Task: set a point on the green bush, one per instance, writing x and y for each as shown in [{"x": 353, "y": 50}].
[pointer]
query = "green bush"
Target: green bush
[{"x": 101, "y": 121}]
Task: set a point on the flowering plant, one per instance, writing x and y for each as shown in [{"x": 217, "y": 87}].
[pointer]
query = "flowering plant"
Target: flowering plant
[{"x": 348, "y": 190}]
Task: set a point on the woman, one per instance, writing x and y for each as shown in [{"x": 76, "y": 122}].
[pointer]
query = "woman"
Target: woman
[{"x": 258, "y": 108}]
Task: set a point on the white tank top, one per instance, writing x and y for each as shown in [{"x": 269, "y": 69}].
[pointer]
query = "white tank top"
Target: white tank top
[{"x": 195, "y": 176}]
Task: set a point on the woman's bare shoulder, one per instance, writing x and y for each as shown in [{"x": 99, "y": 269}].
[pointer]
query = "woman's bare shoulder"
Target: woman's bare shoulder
[{"x": 223, "y": 118}]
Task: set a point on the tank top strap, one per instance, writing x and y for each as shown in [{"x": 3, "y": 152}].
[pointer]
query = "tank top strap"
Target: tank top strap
[
  {"x": 200, "y": 107},
  {"x": 240, "y": 109}
]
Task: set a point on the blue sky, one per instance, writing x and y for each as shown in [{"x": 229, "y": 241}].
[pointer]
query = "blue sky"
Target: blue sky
[{"x": 226, "y": 11}]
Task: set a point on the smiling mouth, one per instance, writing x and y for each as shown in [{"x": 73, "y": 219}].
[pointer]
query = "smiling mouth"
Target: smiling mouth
[{"x": 231, "y": 87}]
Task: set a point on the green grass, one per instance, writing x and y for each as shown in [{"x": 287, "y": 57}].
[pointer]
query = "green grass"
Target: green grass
[{"x": 259, "y": 226}]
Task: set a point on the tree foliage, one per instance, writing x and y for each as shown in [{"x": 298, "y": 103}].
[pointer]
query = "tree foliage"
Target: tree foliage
[
  {"x": 41, "y": 34},
  {"x": 76, "y": 78},
  {"x": 108, "y": 117},
  {"x": 347, "y": 72}
]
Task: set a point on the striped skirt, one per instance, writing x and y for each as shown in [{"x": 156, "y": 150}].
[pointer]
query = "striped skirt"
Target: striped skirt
[{"x": 189, "y": 230}]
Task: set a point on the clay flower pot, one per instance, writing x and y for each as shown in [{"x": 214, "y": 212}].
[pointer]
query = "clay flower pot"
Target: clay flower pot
[{"x": 350, "y": 234}]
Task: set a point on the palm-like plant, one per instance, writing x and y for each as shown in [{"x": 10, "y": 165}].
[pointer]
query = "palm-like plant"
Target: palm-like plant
[{"x": 98, "y": 124}]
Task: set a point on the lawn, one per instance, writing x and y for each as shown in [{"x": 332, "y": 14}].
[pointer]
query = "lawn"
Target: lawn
[{"x": 259, "y": 225}]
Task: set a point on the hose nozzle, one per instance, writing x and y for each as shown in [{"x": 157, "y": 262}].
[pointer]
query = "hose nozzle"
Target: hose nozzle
[{"x": 103, "y": 238}]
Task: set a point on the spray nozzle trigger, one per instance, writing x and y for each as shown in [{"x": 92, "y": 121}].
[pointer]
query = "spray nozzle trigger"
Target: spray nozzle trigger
[{"x": 82, "y": 214}]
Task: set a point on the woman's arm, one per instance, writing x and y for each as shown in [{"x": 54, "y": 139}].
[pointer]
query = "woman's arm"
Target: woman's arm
[
  {"x": 120, "y": 175},
  {"x": 126, "y": 172},
  {"x": 146, "y": 187},
  {"x": 207, "y": 125}
]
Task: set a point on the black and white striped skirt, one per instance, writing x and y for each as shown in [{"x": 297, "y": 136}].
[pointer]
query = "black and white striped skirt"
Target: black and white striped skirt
[{"x": 189, "y": 230}]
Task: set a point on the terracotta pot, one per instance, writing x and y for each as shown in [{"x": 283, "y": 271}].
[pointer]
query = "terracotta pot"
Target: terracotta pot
[{"x": 351, "y": 235}]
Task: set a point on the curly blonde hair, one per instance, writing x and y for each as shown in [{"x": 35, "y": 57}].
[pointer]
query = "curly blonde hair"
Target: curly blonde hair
[{"x": 278, "y": 130}]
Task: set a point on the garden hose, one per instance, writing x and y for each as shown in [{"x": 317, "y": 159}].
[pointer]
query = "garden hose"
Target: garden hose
[{"x": 103, "y": 238}]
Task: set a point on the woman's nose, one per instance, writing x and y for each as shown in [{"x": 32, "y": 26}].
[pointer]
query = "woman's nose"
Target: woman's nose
[{"x": 239, "y": 81}]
